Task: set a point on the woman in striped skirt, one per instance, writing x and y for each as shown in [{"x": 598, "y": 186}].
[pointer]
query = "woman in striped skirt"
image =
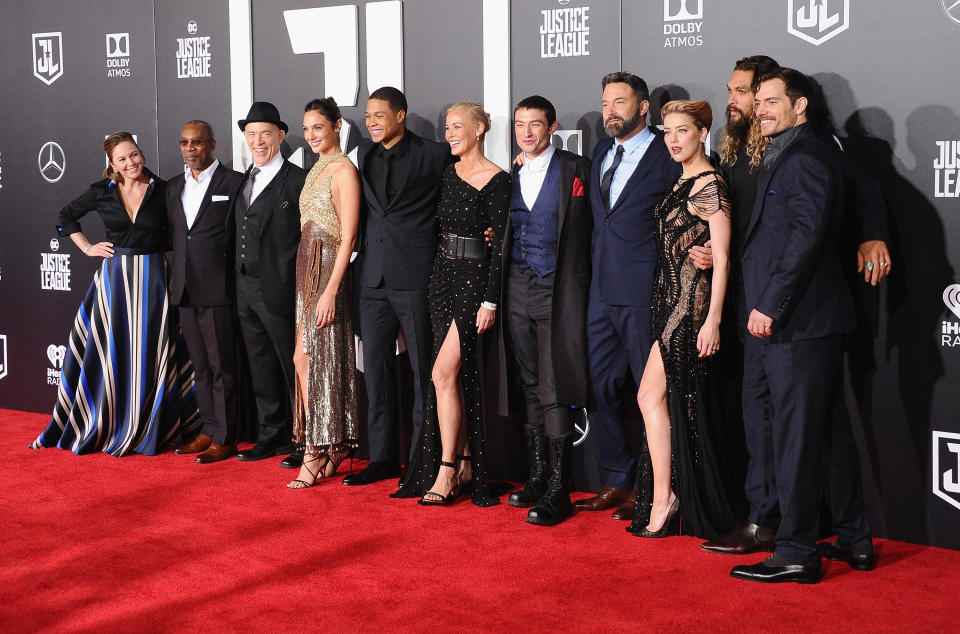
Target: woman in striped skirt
[{"x": 127, "y": 383}]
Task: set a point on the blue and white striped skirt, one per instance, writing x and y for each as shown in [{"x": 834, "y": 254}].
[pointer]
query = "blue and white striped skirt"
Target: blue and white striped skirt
[{"x": 127, "y": 383}]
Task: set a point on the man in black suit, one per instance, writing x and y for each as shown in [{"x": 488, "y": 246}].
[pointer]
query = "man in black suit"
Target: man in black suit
[
  {"x": 546, "y": 272},
  {"x": 400, "y": 174},
  {"x": 799, "y": 310},
  {"x": 632, "y": 172},
  {"x": 264, "y": 226},
  {"x": 198, "y": 201}
]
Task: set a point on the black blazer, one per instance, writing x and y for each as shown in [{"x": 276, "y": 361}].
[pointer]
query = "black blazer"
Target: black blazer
[
  {"x": 791, "y": 268},
  {"x": 625, "y": 238},
  {"x": 199, "y": 262},
  {"x": 571, "y": 281},
  {"x": 279, "y": 237},
  {"x": 398, "y": 243}
]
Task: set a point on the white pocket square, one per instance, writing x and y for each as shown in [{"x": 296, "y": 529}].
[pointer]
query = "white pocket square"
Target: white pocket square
[{"x": 215, "y": 198}]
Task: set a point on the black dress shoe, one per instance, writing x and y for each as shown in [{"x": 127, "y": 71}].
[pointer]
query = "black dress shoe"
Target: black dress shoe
[
  {"x": 776, "y": 569},
  {"x": 744, "y": 540},
  {"x": 373, "y": 472},
  {"x": 854, "y": 560},
  {"x": 294, "y": 460},
  {"x": 263, "y": 450}
]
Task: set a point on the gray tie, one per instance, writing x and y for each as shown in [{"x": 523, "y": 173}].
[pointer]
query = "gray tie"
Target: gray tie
[{"x": 248, "y": 186}]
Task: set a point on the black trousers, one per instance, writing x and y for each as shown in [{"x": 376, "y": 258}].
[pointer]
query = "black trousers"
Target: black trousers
[
  {"x": 269, "y": 340},
  {"x": 210, "y": 333},
  {"x": 529, "y": 305},
  {"x": 801, "y": 379},
  {"x": 382, "y": 313}
]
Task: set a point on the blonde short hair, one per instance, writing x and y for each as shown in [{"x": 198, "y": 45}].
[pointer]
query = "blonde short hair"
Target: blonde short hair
[{"x": 475, "y": 112}]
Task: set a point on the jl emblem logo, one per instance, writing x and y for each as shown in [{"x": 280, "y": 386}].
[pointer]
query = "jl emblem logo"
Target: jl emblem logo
[
  {"x": 816, "y": 21},
  {"x": 946, "y": 467},
  {"x": 48, "y": 56},
  {"x": 3, "y": 356}
]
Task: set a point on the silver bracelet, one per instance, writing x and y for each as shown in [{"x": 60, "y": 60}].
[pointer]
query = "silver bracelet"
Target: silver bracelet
[
  {"x": 488, "y": 305},
  {"x": 87, "y": 248}
]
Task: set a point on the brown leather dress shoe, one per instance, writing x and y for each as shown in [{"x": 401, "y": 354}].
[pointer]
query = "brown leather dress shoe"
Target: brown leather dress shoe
[
  {"x": 198, "y": 444},
  {"x": 744, "y": 540},
  {"x": 608, "y": 498},
  {"x": 216, "y": 453},
  {"x": 625, "y": 512}
]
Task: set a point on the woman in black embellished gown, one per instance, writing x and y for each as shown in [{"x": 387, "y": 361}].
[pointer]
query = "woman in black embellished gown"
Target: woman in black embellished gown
[
  {"x": 678, "y": 406},
  {"x": 464, "y": 291}
]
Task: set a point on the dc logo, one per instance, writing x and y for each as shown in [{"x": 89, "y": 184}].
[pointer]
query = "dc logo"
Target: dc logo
[
  {"x": 3, "y": 356},
  {"x": 54, "y": 245},
  {"x": 118, "y": 45},
  {"x": 682, "y": 10},
  {"x": 56, "y": 354},
  {"x": 952, "y": 9},
  {"x": 581, "y": 430},
  {"x": 52, "y": 162},
  {"x": 816, "y": 21},
  {"x": 570, "y": 140},
  {"x": 946, "y": 467},
  {"x": 192, "y": 27},
  {"x": 48, "y": 56}
]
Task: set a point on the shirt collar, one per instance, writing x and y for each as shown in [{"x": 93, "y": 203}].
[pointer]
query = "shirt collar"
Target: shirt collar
[
  {"x": 397, "y": 148},
  {"x": 541, "y": 161},
  {"x": 779, "y": 142},
  {"x": 204, "y": 175},
  {"x": 635, "y": 142},
  {"x": 275, "y": 164}
]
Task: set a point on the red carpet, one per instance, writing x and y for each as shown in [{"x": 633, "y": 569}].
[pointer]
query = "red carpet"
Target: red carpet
[{"x": 95, "y": 543}]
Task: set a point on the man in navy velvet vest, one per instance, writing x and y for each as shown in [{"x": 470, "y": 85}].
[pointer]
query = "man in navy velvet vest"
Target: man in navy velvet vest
[
  {"x": 632, "y": 172},
  {"x": 547, "y": 278}
]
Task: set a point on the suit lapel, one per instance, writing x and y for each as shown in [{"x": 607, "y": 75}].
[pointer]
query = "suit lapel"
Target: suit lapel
[
  {"x": 415, "y": 156},
  {"x": 269, "y": 195},
  {"x": 646, "y": 162},
  {"x": 764, "y": 185},
  {"x": 595, "y": 176},
  {"x": 212, "y": 186}
]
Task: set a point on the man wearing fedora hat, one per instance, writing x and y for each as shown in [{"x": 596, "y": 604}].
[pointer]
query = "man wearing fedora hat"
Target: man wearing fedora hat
[{"x": 264, "y": 226}]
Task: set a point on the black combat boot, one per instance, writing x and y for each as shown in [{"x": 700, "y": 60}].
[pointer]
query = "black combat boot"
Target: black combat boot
[
  {"x": 554, "y": 506},
  {"x": 533, "y": 490}
]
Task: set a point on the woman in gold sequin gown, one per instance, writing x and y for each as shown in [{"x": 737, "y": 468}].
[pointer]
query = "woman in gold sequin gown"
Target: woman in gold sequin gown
[
  {"x": 679, "y": 408},
  {"x": 325, "y": 415}
]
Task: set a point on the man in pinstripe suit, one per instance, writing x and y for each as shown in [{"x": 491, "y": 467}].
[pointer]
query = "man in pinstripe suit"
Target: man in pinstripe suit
[{"x": 799, "y": 310}]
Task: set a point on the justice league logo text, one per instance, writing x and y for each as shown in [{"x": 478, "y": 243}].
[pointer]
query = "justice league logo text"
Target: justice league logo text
[
  {"x": 946, "y": 170},
  {"x": 55, "y": 269},
  {"x": 565, "y": 33},
  {"x": 682, "y": 23},
  {"x": 193, "y": 55}
]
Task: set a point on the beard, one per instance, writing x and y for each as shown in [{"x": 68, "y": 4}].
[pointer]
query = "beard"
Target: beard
[
  {"x": 738, "y": 129},
  {"x": 622, "y": 129}
]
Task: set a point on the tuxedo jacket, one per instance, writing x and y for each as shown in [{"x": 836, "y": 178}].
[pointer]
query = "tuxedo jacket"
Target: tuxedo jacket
[
  {"x": 279, "y": 237},
  {"x": 398, "y": 241},
  {"x": 625, "y": 237},
  {"x": 571, "y": 279},
  {"x": 199, "y": 260},
  {"x": 791, "y": 266}
]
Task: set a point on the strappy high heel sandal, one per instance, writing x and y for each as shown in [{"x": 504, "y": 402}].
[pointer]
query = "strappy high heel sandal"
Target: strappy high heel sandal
[
  {"x": 432, "y": 498},
  {"x": 671, "y": 523},
  {"x": 319, "y": 474},
  {"x": 336, "y": 458},
  {"x": 466, "y": 488}
]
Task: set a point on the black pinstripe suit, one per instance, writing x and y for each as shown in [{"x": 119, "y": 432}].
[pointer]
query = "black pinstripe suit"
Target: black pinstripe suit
[{"x": 792, "y": 273}]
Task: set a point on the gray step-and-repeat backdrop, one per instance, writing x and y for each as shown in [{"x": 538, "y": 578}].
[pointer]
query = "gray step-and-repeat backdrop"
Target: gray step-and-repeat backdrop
[{"x": 74, "y": 72}]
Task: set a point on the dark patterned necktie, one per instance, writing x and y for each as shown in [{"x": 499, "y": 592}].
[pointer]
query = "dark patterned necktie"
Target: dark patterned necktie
[
  {"x": 607, "y": 179},
  {"x": 248, "y": 186}
]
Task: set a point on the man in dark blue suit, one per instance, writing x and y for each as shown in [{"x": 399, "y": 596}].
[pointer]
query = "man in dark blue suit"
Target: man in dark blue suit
[
  {"x": 799, "y": 311},
  {"x": 632, "y": 172}
]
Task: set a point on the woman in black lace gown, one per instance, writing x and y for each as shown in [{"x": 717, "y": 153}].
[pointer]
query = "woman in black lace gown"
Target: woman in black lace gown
[
  {"x": 674, "y": 395},
  {"x": 464, "y": 290}
]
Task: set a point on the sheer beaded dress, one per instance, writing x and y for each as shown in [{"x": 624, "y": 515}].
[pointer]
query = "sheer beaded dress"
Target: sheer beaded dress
[
  {"x": 681, "y": 301},
  {"x": 457, "y": 287},
  {"x": 326, "y": 416}
]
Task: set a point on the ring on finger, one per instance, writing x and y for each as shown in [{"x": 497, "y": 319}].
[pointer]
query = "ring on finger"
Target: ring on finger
[{"x": 869, "y": 266}]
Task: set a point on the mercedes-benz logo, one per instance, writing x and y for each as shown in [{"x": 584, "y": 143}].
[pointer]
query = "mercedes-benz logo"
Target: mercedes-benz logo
[
  {"x": 52, "y": 162},
  {"x": 952, "y": 9},
  {"x": 581, "y": 431}
]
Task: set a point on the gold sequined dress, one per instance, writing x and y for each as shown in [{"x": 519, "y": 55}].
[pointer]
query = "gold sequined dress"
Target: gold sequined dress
[
  {"x": 681, "y": 301},
  {"x": 327, "y": 414}
]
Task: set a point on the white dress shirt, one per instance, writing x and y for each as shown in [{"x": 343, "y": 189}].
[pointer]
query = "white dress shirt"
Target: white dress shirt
[
  {"x": 267, "y": 172},
  {"x": 194, "y": 190},
  {"x": 532, "y": 175}
]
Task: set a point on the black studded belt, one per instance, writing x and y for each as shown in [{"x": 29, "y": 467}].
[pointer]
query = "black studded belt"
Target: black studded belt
[{"x": 459, "y": 247}]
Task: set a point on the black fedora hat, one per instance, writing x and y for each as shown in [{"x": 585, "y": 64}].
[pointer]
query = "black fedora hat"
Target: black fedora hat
[{"x": 265, "y": 112}]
